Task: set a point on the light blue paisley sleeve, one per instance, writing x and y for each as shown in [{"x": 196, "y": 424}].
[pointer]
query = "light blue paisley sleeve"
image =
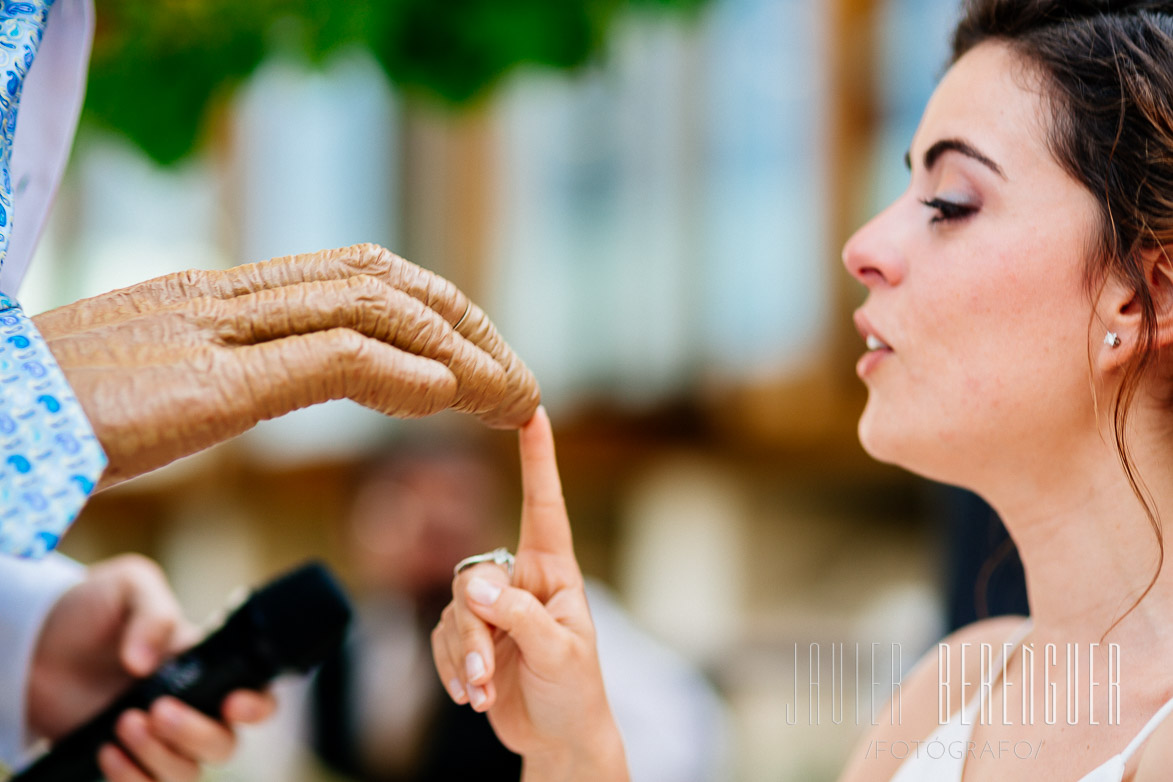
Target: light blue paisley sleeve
[{"x": 49, "y": 457}]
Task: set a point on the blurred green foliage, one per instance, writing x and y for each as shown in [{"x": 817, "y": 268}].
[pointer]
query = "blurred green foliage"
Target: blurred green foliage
[{"x": 157, "y": 64}]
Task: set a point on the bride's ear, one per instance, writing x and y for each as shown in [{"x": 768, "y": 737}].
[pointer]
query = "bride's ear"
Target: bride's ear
[{"x": 1123, "y": 311}]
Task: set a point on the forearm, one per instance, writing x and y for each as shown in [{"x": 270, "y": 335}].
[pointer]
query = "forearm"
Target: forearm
[{"x": 603, "y": 761}]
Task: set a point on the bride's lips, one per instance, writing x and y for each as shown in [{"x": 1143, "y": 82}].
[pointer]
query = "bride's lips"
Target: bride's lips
[{"x": 878, "y": 347}]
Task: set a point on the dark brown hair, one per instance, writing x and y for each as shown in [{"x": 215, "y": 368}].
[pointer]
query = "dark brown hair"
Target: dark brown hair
[{"x": 1107, "y": 73}]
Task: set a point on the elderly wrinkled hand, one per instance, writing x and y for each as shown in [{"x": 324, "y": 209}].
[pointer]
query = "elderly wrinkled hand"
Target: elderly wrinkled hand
[{"x": 173, "y": 365}]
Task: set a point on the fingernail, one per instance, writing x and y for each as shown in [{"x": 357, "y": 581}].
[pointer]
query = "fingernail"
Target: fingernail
[
  {"x": 455, "y": 689},
  {"x": 110, "y": 755},
  {"x": 168, "y": 711},
  {"x": 133, "y": 724},
  {"x": 474, "y": 666},
  {"x": 483, "y": 591},
  {"x": 476, "y": 696}
]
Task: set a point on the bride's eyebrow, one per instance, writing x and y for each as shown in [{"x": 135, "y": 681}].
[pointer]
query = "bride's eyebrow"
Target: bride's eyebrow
[{"x": 954, "y": 145}]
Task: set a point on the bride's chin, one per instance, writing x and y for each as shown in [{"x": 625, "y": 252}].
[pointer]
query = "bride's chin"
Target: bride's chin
[
  {"x": 919, "y": 456},
  {"x": 876, "y": 442},
  {"x": 893, "y": 444}
]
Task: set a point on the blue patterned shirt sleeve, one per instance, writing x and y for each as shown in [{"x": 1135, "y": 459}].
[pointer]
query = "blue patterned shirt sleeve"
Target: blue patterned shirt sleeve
[{"x": 49, "y": 457}]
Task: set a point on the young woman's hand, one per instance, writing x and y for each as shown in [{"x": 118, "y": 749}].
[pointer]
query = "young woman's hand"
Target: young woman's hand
[{"x": 525, "y": 651}]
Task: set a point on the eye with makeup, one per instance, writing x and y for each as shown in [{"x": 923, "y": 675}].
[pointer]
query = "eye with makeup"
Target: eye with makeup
[{"x": 949, "y": 211}]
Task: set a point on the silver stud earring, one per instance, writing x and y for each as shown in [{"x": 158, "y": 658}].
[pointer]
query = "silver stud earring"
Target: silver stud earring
[{"x": 1111, "y": 340}]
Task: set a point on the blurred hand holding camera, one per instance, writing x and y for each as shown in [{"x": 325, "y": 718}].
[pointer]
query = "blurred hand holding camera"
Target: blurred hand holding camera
[{"x": 119, "y": 624}]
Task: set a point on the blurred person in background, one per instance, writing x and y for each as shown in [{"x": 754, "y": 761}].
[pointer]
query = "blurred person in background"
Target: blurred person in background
[
  {"x": 376, "y": 712},
  {"x": 1019, "y": 323}
]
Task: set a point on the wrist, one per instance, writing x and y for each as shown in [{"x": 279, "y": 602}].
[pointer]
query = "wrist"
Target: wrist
[{"x": 602, "y": 757}]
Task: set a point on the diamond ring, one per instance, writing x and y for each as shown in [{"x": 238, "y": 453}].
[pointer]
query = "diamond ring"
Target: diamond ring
[{"x": 498, "y": 556}]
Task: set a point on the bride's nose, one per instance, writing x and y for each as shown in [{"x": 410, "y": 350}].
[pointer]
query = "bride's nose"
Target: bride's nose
[{"x": 873, "y": 254}]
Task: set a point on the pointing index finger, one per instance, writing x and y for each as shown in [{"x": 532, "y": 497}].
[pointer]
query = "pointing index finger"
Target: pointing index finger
[{"x": 544, "y": 523}]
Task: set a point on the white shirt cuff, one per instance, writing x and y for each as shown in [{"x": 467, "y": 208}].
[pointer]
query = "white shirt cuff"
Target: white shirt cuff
[{"x": 28, "y": 590}]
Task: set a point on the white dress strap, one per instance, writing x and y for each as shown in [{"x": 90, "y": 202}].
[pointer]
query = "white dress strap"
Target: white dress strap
[
  {"x": 1113, "y": 769},
  {"x": 1147, "y": 731}
]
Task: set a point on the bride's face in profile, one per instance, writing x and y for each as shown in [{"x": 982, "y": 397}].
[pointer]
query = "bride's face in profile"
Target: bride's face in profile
[{"x": 976, "y": 289}]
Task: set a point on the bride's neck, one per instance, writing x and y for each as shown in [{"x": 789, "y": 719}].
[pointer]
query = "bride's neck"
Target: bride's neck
[{"x": 1088, "y": 546}]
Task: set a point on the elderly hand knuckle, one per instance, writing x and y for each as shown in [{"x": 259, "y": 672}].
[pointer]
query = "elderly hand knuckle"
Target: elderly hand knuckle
[
  {"x": 366, "y": 288},
  {"x": 374, "y": 257},
  {"x": 195, "y": 278},
  {"x": 363, "y": 248},
  {"x": 350, "y": 348}
]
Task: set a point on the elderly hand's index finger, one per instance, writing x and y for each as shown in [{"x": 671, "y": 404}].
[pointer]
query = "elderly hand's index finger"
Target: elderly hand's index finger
[{"x": 544, "y": 524}]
